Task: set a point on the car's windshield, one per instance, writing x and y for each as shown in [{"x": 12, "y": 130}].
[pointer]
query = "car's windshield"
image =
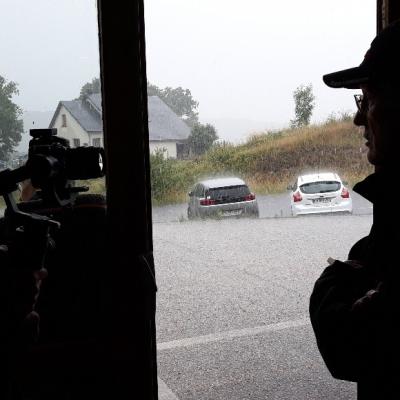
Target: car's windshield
[
  {"x": 228, "y": 192},
  {"x": 320, "y": 187}
]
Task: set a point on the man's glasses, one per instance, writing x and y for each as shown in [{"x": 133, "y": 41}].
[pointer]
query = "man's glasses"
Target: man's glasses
[{"x": 359, "y": 101}]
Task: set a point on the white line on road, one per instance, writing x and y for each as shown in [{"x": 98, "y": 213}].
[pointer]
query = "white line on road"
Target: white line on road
[
  {"x": 164, "y": 392},
  {"x": 215, "y": 337}
]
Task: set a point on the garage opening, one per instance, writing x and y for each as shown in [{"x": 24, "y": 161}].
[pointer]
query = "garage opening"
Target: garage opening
[{"x": 232, "y": 305}]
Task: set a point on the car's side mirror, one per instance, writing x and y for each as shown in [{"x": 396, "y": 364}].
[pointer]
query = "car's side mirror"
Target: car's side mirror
[{"x": 190, "y": 194}]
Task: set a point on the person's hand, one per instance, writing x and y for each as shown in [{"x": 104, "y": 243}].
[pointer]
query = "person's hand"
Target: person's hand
[
  {"x": 31, "y": 321},
  {"x": 356, "y": 264},
  {"x": 27, "y": 284},
  {"x": 372, "y": 297},
  {"x": 370, "y": 301},
  {"x": 26, "y": 190},
  {"x": 20, "y": 295}
]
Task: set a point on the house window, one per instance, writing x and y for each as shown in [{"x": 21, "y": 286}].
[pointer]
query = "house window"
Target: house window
[
  {"x": 77, "y": 142},
  {"x": 97, "y": 142},
  {"x": 64, "y": 120}
]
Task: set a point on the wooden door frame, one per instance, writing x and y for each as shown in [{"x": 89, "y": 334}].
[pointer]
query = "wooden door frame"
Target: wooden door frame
[{"x": 130, "y": 337}]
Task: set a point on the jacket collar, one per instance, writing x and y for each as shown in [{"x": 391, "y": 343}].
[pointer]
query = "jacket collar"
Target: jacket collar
[{"x": 375, "y": 185}]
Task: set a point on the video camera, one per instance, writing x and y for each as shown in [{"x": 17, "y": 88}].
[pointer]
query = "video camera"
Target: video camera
[
  {"x": 26, "y": 233},
  {"x": 52, "y": 167}
]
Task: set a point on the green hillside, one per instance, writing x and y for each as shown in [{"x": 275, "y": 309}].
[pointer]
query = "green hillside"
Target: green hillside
[{"x": 268, "y": 161}]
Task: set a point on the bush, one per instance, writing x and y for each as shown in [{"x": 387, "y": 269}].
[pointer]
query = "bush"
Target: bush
[{"x": 163, "y": 178}]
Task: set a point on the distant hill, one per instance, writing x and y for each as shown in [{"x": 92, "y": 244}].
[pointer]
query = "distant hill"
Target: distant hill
[{"x": 33, "y": 120}]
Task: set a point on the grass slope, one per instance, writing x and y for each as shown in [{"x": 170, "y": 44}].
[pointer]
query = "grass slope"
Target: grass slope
[{"x": 268, "y": 162}]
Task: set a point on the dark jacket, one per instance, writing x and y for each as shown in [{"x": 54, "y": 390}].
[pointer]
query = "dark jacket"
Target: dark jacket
[
  {"x": 66, "y": 362},
  {"x": 361, "y": 344}
]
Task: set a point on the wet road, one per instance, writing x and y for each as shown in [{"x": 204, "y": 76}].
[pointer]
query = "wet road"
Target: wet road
[
  {"x": 232, "y": 306},
  {"x": 271, "y": 206}
]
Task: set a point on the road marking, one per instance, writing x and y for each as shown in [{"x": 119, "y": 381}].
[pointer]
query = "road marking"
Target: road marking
[
  {"x": 164, "y": 392},
  {"x": 236, "y": 333}
]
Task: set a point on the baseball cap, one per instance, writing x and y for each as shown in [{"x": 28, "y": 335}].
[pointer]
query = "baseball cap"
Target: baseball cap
[{"x": 381, "y": 63}]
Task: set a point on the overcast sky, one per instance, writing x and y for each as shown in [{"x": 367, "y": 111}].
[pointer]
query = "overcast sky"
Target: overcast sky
[{"x": 240, "y": 64}]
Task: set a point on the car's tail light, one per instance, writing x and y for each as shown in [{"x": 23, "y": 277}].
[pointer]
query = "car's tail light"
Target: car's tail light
[
  {"x": 250, "y": 197},
  {"x": 297, "y": 197},
  {"x": 207, "y": 202},
  {"x": 345, "y": 193}
]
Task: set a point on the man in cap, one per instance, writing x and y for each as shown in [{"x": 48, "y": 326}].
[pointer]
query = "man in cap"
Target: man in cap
[{"x": 354, "y": 306}]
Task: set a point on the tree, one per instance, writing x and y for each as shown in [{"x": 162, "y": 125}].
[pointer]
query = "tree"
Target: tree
[
  {"x": 90, "y": 88},
  {"x": 11, "y": 126},
  {"x": 304, "y": 105},
  {"x": 179, "y": 100},
  {"x": 201, "y": 138}
]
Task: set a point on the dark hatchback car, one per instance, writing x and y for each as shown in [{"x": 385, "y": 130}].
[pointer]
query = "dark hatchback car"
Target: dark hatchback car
[{"x": 222, "y": 197}]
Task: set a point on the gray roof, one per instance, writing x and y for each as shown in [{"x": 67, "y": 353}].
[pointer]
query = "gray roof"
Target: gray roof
[
  {"x": 88, "y": 118},
  {"x": 164, "y": 124},
  {"x": 95, "y": 101}
]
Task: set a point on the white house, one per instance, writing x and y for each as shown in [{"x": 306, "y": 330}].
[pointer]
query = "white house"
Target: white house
[{"x": 80, "y": 121}]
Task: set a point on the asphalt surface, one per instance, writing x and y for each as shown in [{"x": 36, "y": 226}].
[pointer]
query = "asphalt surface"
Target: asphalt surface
[{"x": 232, "y": 306}]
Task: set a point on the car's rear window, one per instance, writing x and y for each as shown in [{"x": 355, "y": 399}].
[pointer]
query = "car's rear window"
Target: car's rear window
[
  {"x": 228, "y": 192},
  {"x": 320, "y": 187}
]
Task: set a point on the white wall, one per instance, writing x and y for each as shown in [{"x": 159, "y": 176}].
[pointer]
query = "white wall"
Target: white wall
[
  {"x": 72, "y": 131},
  {"x": 169, "y": 146},
  {"x": 95, "y": 135}
]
